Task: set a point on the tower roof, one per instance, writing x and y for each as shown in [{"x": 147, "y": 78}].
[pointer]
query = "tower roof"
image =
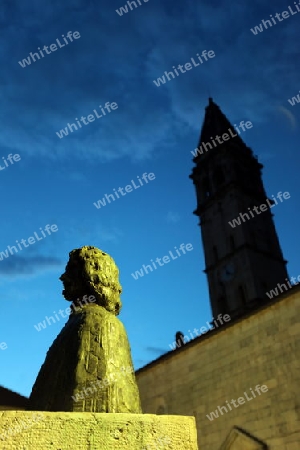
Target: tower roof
[{"x": 216, "y": 123}]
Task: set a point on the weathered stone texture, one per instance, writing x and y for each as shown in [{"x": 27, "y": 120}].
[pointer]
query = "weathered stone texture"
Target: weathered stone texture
[
  {"x": 94, "y": 431},
  {"x": 92, "y": 271},
  {"x": 91, "y": 361},
  {"x": 261, "y": 349}
]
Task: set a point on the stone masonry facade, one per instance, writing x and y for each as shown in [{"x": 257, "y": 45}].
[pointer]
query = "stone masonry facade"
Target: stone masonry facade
[{"x": 260, "y": 349}]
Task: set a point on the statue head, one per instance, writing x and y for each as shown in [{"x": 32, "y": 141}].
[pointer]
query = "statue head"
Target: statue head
[{"x": 90, "y": 271}]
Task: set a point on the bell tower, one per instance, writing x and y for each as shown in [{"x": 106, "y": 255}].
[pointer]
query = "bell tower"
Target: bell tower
[{"x": 243, "y": 259}]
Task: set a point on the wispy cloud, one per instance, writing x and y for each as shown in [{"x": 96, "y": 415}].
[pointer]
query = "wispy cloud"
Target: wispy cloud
[{"x": 20, "y": 266}]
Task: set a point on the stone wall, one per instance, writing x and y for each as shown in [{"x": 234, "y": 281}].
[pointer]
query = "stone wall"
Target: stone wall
[
  {"x": 28, "y": 430},
  {"x": 261, "y": 349}
]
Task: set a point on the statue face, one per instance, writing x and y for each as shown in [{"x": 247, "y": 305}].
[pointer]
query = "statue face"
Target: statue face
[{"x": 73, "y": 281}]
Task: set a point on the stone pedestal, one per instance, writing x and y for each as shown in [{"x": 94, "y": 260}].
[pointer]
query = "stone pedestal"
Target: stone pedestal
[{"x": 28, "y": 430}]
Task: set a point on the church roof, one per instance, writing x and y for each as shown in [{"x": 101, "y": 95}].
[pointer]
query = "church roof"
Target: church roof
[{"x": 11, "y": 400}]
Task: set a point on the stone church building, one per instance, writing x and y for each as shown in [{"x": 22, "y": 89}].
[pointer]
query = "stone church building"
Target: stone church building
[{"x": 240, "y": 380}]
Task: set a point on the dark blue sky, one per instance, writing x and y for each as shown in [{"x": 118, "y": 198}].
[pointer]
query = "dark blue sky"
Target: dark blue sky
[{"x": 154, "y": 130}]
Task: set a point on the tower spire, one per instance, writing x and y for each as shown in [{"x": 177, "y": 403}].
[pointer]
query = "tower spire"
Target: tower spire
[{"x": 216, "y": 124}]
